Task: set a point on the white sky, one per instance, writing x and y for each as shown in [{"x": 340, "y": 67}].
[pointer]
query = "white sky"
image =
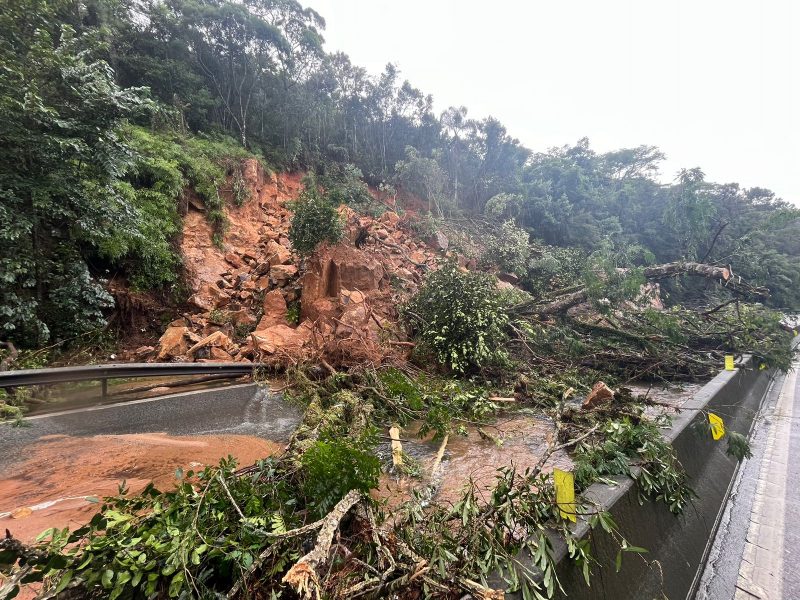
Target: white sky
[{"x": 713, "y": 83}]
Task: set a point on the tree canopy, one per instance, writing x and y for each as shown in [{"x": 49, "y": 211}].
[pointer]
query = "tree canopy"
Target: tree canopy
[{"x": 76, "y": 74}]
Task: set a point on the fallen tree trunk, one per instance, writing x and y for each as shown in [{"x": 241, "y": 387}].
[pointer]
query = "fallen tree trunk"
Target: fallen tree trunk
[
  {"x": 656, "y": 272},
  {"x": 687, "y": 268}
]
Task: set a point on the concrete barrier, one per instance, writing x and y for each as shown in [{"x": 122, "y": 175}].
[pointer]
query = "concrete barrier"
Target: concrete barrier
[{"x": 678, "y": 543}]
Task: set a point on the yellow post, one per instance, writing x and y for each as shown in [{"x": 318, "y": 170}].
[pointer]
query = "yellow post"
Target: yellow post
[
  {"x": 729, "y": 366},
  {"x": 565, "y": 494}
]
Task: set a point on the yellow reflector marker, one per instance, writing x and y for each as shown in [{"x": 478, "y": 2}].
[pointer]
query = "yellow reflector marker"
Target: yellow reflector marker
[
  {"x": 729, "y": 362},
  {"x": 717, "y": 426},
  {"x": 794, "y": 331},
  {"x": 762, "y": 366},
  {"x": 565, "y": 493}
]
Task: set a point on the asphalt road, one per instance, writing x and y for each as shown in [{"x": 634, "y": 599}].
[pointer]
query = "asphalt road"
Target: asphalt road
[
  {"x": 757, "y": 545},
  {"x": 243, "y": 409}
]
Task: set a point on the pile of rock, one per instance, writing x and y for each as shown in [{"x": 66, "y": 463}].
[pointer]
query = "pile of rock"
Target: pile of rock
[{"x": 257, "y": 301}]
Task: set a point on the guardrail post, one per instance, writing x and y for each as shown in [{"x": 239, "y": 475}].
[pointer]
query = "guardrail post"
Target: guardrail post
[{"x": 104, "y": 388}]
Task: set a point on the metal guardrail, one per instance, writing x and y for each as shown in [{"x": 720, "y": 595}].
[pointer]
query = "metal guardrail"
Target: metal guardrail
[{"x": 103, "y": 373}]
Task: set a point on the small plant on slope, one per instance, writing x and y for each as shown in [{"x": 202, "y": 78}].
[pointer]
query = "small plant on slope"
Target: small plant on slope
[{"x": 314, "y": 221}]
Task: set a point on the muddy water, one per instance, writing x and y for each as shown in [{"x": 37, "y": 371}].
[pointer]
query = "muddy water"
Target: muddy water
[
  {"x": 51, "y": 487},
  {"x": 49, "y": 469},
  {"x": 518, "y": 441}
]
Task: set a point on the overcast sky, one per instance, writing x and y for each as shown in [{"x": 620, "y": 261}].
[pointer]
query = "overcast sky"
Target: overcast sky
[{"x": 714, "y": 84}]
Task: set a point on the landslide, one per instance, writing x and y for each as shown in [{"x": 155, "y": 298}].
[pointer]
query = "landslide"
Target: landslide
[{"x": 250, "y": 297}]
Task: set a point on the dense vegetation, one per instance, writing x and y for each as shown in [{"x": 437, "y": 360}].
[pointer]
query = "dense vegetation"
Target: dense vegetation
[
  {"x": 83, "y": 193},
  {"x": 118, "y": 113}
]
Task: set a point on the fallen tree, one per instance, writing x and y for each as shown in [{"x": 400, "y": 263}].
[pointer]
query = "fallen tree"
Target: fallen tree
[{"x": 565, "y": 301}]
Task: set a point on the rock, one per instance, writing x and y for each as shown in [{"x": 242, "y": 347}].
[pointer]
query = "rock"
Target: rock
[
  {"x": 220, "y": 355},
  {"x": 321, "y": 308},
  {"x": 210, "y": 297},
  {"x": 173, "y": 343},
  {"x": 355, "y": 317},
  {"x": 277, "y": 254},
  {"x": 337, "y": 268},
  {"x": 347, "y": 297},
  {"x": 600, "y": 393},
  {"x": 234, "y": 259},
  {"x": 274, "y": 310},
  {"x": 242, "y": 317},
  {"x": 418, "y": 257},
  {"x": 216, "y": 340},
  {"x": 143, "y": 351},
  {"x": 262, "y": 283},
  {"x": 382, "y": 233},
  {"x": 281, "y": 274},
  {"x": 390, "y": 218},
  {"x": 439, "y": 241},
  {"x": 281, "y": 336}
]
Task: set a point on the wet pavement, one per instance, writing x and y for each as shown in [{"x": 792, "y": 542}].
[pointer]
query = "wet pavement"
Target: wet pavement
[
  {"x": 753, "y": 555},
  {"x": 53, "y": 469}
]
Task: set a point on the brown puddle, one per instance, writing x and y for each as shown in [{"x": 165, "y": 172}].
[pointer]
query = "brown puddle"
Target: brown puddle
[
  {"x": 49, "y": 488},
  {"x": 521, "y": 442}
]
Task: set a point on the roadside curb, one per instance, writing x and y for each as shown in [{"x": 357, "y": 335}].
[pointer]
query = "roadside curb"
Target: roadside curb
[{"x": 677, "y": 545}]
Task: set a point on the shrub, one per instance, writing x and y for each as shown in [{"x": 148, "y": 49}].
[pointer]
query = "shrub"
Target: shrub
[
  {"x": 460, "y": 317},
  {"x": 508, "y": 249},
  {"x": 343, "y": 184},
  {"x": 315, "y": 220}
]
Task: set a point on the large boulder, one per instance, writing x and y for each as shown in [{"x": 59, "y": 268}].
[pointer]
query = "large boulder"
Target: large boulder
[
  {"x": 209, "y": 297},
  {"x": 274, "y": 310},
  {"x": 277, "y": 254},
  {"x": 281, "y": 337},
  {"x": 215, "y": 340},
  {"x": 282, "y": 274},
  {"x": 337, "y": 268},
  {"x": 173, "y": 343}
]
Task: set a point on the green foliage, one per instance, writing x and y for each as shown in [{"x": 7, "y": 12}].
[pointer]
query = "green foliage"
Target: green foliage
[
  {"x": 425, "y": 178},
  {"x": 314, "y": 220},
  {"x": 190, "y": 542},
  {"x": 293, "y": 313},
  {"x": 332, "y": 466},
  {"x": 441, "y": 405},
  {"x": 460, "y": 318},
  {"x": 344, "y": 184},
  {"x": 60, "y": 156},
  {"x": 611, "y": 277},
  {"x": 659, "y": 475},
  {"x": 508, "y": 249},
  {"x": 738, "y": 446}
]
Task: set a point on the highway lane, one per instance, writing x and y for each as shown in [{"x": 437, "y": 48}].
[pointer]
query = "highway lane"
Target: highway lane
[{"x": 246, "y": 409}]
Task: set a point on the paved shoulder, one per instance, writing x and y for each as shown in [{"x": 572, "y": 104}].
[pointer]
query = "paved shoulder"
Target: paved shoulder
[{"x": 755, "y": 550}]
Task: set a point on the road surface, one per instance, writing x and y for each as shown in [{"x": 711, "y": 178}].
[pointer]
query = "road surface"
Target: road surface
[{"x": 756, "y": 551}]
